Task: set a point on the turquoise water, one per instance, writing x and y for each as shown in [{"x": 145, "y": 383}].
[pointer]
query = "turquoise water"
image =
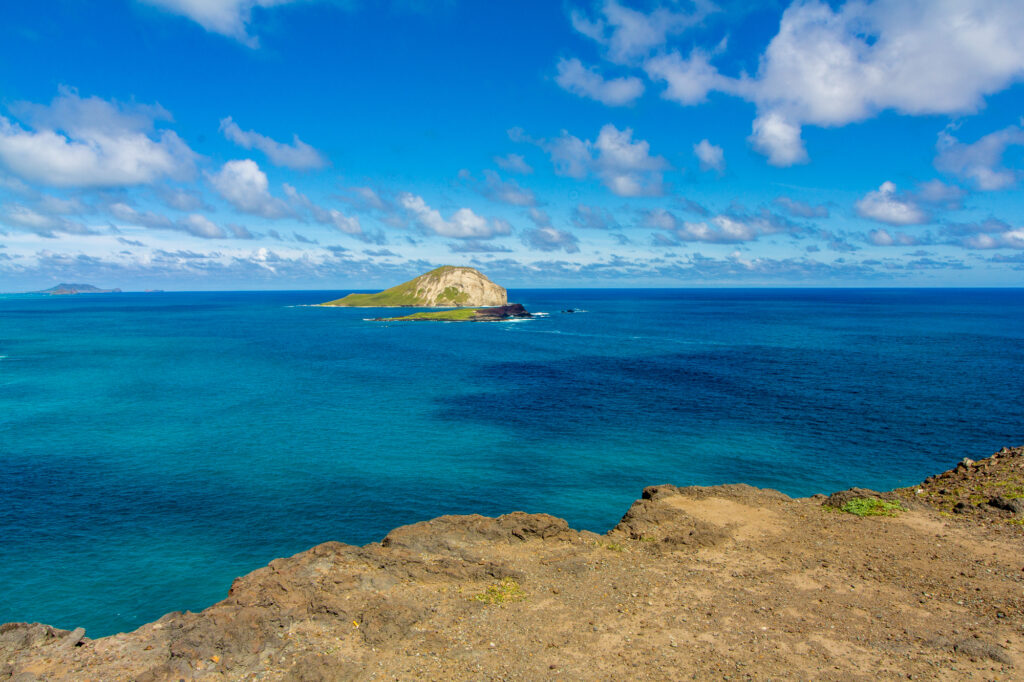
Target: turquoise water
[{"x": 155, "y": 446}]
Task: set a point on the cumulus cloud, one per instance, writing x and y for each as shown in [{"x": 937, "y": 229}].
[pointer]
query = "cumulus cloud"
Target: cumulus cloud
[
  {"x": 881, "y": 237},
  {"x": 546, "y": 237},
  {"x": 227, "y": 17},
  {"x": 200, "y": 226},
  {"x": 90, "y": 142},
  {"x": 513, "y": 163},
  {"x": 350, "y": 225},
  {"x": 243, "y": 185},
  {"x": 885, "y": 205},
  {"x": 987, "y": 234},
  {"x": 625, "y": 166},
  {"x": 711, "y": 156},
  {"x": 297, "y": 155},
  {"x": 463, "y": 224},
  {"x": 687, "y": 81},
  {"x": 628, "y": 34},
  {"x": 26, "y": 218},
  {"x": 830, "y": 67},
  {"x": 938, "y": 193},
  {"x": 726, "y": 228},
  {"x": 587, "y": 82},
  {"x": 980, "y": 163},
  {"x": 594, "y": 218}
]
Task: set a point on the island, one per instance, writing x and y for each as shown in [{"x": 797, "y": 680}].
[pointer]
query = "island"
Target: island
[
  {"x": 64, "y": 289},
  {"x": 495, "y": 314},
  {"x": 448, "y": 286}
]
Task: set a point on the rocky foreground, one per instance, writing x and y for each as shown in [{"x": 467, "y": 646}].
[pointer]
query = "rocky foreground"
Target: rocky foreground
[{"x": 729, "y": 582}]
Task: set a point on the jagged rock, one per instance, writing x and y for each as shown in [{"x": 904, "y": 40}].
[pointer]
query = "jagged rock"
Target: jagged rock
[
  {"x": 1015, "y": 506},
  {"x": 839, "y": 499}
]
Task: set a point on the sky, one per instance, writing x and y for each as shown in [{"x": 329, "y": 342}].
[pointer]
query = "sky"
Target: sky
[{"x": 331, "y": 144}]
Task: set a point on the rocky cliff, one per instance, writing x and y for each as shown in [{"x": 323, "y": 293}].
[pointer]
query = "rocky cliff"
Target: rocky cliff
[
  {"x": 448, "y": 286},
  {"x": 726, "y": 582}
]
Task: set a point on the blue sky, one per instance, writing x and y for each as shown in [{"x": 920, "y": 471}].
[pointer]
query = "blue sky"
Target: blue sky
[{"x": 291, "y": 144}]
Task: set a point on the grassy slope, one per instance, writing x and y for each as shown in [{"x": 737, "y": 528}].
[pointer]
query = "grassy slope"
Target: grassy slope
[
  {"x": 457, "y": 315},
  {"x": 402, "y": 295}
]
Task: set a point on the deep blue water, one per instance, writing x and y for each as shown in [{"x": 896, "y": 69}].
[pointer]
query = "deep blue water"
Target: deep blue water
[{"x": 155, "y": 446}]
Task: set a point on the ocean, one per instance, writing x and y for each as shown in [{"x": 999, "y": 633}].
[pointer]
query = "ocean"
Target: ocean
[{"x": 155, "y": 446}]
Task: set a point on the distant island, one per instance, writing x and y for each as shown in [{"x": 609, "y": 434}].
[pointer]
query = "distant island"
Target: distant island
[
  {"x": 448, "y": 286},
  {"x": 64, "y": 289}
]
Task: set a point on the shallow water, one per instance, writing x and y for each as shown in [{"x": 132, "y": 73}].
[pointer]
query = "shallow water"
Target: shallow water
[{"x": 155, "y": 446}]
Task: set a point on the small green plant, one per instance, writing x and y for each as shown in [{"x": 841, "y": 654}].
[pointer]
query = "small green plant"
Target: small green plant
[
  {"x": 613, "y": 546},
  {"x": 506, "y": 590},
  {"x": 870, "y": 506}
]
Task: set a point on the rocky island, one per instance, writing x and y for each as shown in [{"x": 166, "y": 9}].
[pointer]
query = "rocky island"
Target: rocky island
[
  {"x": 448, "y": 286},
  {"x": 496, "y": 314},
  {"x": 63, "y": 289},
  {"x": 723, "y": 582}
]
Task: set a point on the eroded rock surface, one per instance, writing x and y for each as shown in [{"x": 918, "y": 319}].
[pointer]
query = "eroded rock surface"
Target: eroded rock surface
[{"x": 721, "y": 582}]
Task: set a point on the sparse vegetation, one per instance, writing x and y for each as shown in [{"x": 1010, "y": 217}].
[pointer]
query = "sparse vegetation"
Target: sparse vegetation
[
  {"x": 453, "y": 296},
  {"x": 506, "y": 590},
  {"x": 613, "y": 546},
  {"x": 871, "y": 506},
  {"x": 457, "y": 315}
]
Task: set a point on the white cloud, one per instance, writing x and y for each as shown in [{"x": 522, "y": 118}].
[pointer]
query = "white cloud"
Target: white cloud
[
  {"x": 587, "y": 82},
  {"x": 18, "y": 215},
  {"x": 90, "y": 142},
  {"x": 1011, "y": 239},
  {"x": 463, "y": 224},
  {"x": 711, "y": 156},
  {"x": 245, "y": 187},
  {"x": 513, "y": 163},
  {"x": 882, "y": 237},
  {"x": 688, "y": 81},
  {"x": 721, "y": 229},
  {"x": 505, "y": 191},
  {"x": 980, "y": 162},
  {"x": 779, "y": 140},
  {"x": 227, "y": 17},
  {"x": 330, "y": 216},
  {"x": 625, "y": 166},
  {"x": 201, "y": 226},
  {"x": 570, "y": 155},
  {"x": 546, "y": 237},
  {"x": 830, "y": 67},
  {"x": 939, "y": 193},
  {"x": 297, "y": 155},
  {"x": 628, "y": 34},
  {"x": 886, "y": 206}
]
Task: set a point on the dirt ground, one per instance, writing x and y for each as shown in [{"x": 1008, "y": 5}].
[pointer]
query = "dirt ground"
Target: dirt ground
[{"x": 723, "y": 583}]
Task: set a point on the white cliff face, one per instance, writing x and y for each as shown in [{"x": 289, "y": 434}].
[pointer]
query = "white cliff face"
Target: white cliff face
[{"x": 460, "y": 286}]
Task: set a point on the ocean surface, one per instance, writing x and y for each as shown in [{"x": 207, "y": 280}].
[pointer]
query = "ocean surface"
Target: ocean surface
[{"x": 155, "y": 446}]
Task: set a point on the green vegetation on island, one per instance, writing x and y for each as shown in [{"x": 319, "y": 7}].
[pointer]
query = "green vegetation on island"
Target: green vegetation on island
[
  {"x": 456, "y": 315},
  {"x": 448, "y": 286},
  {"x": 496, "y": 314}
]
